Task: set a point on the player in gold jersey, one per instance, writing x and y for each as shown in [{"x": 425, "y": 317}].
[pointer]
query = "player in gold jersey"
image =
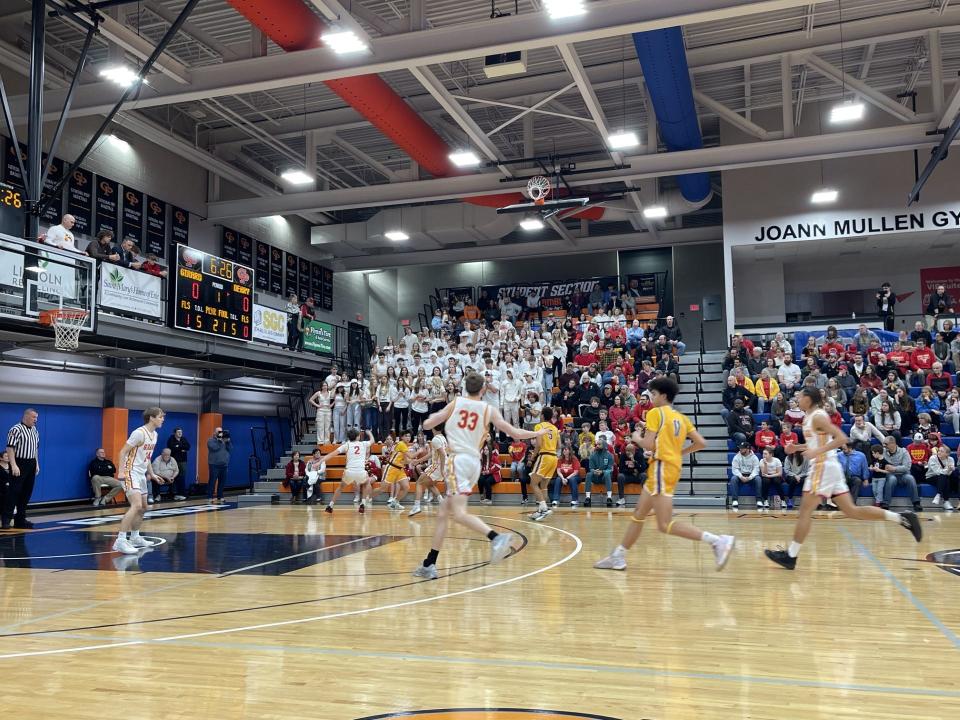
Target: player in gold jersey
[
  {"x": 545, "y": 464},
  {"x": 666, "y": 437}
]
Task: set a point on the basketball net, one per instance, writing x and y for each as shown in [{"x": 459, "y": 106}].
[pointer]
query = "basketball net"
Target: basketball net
[
  {"x": 538, "y": 189},
  {"x": 66, "y": 327}
]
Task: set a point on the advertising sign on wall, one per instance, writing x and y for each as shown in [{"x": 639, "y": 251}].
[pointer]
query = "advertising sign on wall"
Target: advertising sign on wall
[
  {"x": 553, "y": 295},
  {"x": 130, "y": 291},
  {"x": 52, "y": 277},
  {"x": 269, "y": 325},
  {"x": 318, "y": 337}
]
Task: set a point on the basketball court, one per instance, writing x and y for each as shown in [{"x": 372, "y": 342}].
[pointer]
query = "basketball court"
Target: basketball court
[{"x": 289, "y": 612}]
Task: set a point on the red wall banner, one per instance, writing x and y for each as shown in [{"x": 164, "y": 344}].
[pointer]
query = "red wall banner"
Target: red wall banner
[{"x": 930, "y": 278}]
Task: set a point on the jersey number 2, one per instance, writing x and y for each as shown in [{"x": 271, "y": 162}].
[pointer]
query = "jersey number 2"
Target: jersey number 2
[
  {"x": 468, "y": 420},
  {"x": 356, "y": 450}
]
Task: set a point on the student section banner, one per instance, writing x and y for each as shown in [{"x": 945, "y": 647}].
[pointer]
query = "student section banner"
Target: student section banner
[
  {"x": 130, "y": 291},
  {"x": 552, "y": 294},
  {"x": 318, "y": 337},
  {"x": 800, "y": 337},
  {"x": 269, "y": 325}
]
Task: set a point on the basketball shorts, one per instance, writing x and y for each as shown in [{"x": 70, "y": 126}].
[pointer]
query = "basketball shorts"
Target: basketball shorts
[
  {"x": 826, "y": 479},
  {"x": 353, "y": 477},
  {"x": 661, "y": 479},
  {"x": 463, "y": 471},
  {"x": 136, "y": 482},
  {"x": 435, "y": 473},
  {"x": 394, "y": 475},
  {"x": 545, "y": 466}
]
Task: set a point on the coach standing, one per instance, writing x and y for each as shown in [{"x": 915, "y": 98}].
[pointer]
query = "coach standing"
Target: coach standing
[{"x": 23, "y": 445}]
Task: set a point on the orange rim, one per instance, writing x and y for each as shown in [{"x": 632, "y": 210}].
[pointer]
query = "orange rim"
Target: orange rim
[{"x": 49, "y": 317}]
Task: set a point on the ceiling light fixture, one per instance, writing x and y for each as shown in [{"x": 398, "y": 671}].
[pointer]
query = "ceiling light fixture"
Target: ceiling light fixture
[
  {"x": 559, "y": 9},
  {"x": 824, "y": 196},
  {"x": 344, "y": 42},
  {"x": 464, "y": 158},
  {"x": 531, "y": 224},
  {"x": 295, "y": 176},
  {"x": 655, "y": 212},
  {"x": 119, "y": 74},
  {"x": 623, "y": 140},
  {"x": 396, "y": 235},
  {"x": 118, "y": 141},
  {"x": 846, "y": 112}
]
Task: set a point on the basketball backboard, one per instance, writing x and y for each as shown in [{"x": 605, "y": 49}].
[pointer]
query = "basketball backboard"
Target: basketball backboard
[{"x": 36, "y": 277}]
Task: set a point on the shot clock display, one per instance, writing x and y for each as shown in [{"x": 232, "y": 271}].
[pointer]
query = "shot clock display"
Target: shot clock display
[
  {"x": 12, "y": 210},
  {"x": 213, "y": 295}
]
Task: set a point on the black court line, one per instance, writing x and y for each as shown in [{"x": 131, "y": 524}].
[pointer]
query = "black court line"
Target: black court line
[
  {"x": 263, "y": 607},
  {"x": 556, "y": 713}
]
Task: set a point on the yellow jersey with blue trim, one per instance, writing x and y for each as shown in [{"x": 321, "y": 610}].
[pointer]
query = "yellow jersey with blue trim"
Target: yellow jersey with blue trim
[{"x": 672, "y": 428}]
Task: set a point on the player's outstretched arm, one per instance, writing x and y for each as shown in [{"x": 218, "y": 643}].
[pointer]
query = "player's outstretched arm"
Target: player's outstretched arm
[
  {"x": 516, "y": 433},
  {"x": 438, "y": 418},
  {"x": 331, "y": 455}
]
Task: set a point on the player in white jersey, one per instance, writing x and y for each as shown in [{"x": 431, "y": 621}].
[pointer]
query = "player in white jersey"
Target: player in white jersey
[
  {"x": 466, "y": 421},
  {"x": 355, "y": 472},
  {"x": 136, "y": 472},
  {"x": 434, "y": 473},
  {"x": 826, "y": 479}
]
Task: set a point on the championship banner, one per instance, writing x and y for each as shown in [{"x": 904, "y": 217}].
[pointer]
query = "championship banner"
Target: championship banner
[
  {"x": 80, "y": 200},
  {"x": 304, "y": 275},
  {"x": 11, "y": 168},
  {"x": 156, "y": 242},
  {"x": 230, "y": 247},
  {"x": 930, "y": 278},
  {"x": 54, "y": 211},
  {"x": 245, "y": 250},
  {"x": 106, "y": 204},
  {"x": 800, "y": 337},
  {"x": 276, "y": 270},
  {"x": 262, "y": 266},
  {"x": 327, "y": 300},
  {"x": 553, "y": 295},
  {"x": 179, "y": 225},
  {"x": 316, "y": 284},
  {"x": 292, "y": 279},
  {"x": 133, "y": 215},
  {"x": 269, "y": 325},
  {"x": 318, "y": 337},
  {"x": 130, "y": 291}
]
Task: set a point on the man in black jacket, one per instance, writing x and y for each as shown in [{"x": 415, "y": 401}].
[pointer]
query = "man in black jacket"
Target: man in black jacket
[
  {"x": 179, "y": 447},
  {"x": 740, "y": 423},
  {"x": 940, "y": 304},
  {"x": 672, "y": 331},
  {"x": 731, "y": 392},
  {"x": 756, "y": 364},
  {"x": 102, "y": 473}
]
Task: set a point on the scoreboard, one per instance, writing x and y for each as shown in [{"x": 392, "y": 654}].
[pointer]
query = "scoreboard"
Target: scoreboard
[
  {"x": 212, "y": 295},
  {"x": 12, "y": 210}
]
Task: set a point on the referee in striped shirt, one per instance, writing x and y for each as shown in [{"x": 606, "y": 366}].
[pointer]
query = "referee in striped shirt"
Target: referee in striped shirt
[{"x": 23, "y": 445}]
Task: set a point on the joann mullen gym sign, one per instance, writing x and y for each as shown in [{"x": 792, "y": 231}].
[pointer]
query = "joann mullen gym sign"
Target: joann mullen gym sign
[{"x": 855, "y": 225}]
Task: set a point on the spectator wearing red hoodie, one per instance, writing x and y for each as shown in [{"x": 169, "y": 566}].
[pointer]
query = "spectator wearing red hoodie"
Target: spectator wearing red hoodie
[
  {"x": 870, "y": 380},
  {"x": 919, "y": 451},
  {"x": 765, "y": 438},
  {"x": 618, "y": 413},
  {"x": 833, "y": 345},
  {"x": 787, "y": 437},
  {"x": 639, "y": 414},
  {"x": 921, "y": 363},
  {"x": 899, "y": 358},
  {"x": 584, "y": 358}
]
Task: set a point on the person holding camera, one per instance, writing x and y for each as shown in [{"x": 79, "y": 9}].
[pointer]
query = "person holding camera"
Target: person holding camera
[
  {"x": 218, "y": 458},
  {"x": 886, "y": 299}
]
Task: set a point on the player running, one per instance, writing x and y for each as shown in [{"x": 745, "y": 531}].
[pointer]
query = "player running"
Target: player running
[
  {"x": 433, "y": 474},
  {"x": 396, "y": 482},
  {"x": 545, "y": 463},
  {"x": 666, "y": 435},
  {"x": 135, "y": 473},
  {"x": 355, "y": 472},
  {"x": 826, "y": 480},
  {"x": 466, "y": 421}
]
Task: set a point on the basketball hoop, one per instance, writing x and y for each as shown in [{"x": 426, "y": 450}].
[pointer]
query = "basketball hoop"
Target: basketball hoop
[
  {"x": 538, "y": 189},
  {"x": 66, "y": 327}
]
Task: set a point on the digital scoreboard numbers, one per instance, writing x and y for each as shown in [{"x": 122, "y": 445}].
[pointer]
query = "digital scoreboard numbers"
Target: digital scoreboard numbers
[
  {"x": 213, "y": 295},
  {"x": 12, "y": 210}
]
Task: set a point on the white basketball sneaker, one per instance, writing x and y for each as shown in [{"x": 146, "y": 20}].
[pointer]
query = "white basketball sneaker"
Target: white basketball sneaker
[
  {"x": 123, "y": 546},
  {"x": 722, "y": 549}
]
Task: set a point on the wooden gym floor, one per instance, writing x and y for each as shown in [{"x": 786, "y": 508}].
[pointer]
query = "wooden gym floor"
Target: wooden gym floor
[{"x": 285, "y": 612}]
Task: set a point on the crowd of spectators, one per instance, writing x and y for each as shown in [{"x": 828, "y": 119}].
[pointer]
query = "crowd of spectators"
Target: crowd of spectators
[
  {"x": 103, "y": 248},
  {"x": 896, "y": 405},
  {"x": 592, "y": 369}
]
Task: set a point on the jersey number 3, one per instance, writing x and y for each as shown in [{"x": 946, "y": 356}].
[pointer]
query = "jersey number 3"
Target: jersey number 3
[{"x": 468, "y": 420}]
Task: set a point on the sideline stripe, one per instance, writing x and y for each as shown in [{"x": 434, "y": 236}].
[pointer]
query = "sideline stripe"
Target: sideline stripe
[
  {"x": 317, "y": 618},
  {"x": 937, "y": 622}
]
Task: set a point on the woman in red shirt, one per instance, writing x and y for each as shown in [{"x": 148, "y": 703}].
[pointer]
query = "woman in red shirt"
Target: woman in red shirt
[
  {"x": 489, "y": 471},
  {"x": 618, "y": 412},
  {"x": 870, "y": 380},
  {"x": 296, "y": 470},
  {"x": 568, "y": 473}
]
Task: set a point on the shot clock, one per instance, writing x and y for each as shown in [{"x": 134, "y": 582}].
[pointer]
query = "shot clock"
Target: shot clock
[{"x": 212, "y": 295}]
